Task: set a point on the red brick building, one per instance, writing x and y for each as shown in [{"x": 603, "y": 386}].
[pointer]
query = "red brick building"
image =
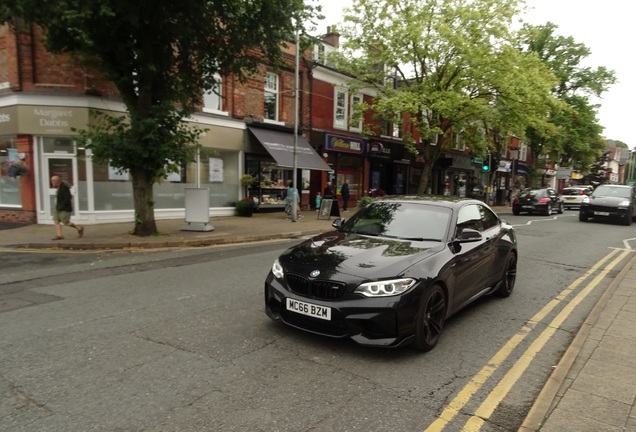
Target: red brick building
[{"x": 43, "y": 97}]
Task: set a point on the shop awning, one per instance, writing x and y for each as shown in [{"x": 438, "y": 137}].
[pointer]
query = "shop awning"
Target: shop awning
[{"x": 280, "y": 146}]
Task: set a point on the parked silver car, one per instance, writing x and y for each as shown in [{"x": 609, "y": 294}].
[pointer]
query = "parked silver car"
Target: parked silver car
[{"x": 573, "y": 196}]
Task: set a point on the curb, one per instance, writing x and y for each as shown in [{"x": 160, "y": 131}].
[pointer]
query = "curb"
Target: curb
[{"x": 168, "y": 243}]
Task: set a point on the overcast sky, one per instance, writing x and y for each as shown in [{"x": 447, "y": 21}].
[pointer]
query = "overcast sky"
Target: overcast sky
[{"x": 607, "y": 28}]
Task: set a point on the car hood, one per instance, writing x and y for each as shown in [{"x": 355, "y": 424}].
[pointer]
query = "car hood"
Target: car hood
[
  {"x": 335, "y": 253},
  {"x": 607, "y": 201}
]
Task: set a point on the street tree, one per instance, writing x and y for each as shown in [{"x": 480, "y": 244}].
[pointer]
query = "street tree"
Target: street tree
[
  {"x": 448, "y": 65},
  {"x": 161, "y": 55},
  {"x": 578, "y": 140}
]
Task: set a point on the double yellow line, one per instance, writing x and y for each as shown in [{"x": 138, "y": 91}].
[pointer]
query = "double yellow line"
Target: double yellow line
[{"x": 488, "y": 406}]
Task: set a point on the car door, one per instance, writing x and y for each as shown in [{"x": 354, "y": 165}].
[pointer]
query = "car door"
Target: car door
[
  {"x": 494, "y": 258},
  {"x": 471, "y": 263},
  {"x": 554, "y": 198}
]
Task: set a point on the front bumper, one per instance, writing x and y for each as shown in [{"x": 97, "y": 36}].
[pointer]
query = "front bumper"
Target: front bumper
[
  {"x": 378, "y": 322},
  {"x": 616, "y": 213}
]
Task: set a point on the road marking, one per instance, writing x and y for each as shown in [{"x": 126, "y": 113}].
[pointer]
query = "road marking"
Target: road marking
[
  {"x": 504, "y": 386},
  {"x": 496, "y": 361}
]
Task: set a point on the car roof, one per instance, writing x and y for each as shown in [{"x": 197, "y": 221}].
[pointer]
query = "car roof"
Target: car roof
[
  {"x": 578, "y": 187},
  {"x": 442, "y": 201}
]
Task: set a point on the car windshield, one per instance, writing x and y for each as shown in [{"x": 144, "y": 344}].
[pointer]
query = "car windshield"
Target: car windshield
[
  {"x": 406, "y": 221},
  {"x": 609, "y": 191}
]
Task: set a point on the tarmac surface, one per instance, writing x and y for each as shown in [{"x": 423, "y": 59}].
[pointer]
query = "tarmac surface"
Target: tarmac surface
[{"x": 593, "y": 388}]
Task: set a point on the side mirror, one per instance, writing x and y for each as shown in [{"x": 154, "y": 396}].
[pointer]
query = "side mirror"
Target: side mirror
[
  {"x": 469, "y": 235},
  {"x": 337, "y": 224}
]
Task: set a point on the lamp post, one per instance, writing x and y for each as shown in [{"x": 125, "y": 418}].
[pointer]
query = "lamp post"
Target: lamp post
[
  {"x": 294, "y": 201},
  {"x": 632, "y": 161}
]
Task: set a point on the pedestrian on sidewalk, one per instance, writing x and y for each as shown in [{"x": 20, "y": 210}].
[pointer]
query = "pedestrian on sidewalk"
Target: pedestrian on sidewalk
[
  {"x": 328, "y": 192},
  {"x": 289, "y": 200},
  {"x": 318, "y": 200},
  {"x": 344, "y": 192},
  {"x": 63, "y": 208}
]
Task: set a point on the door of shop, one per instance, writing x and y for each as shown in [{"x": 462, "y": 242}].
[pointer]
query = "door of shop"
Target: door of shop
[{"x": 66, "y": 168}]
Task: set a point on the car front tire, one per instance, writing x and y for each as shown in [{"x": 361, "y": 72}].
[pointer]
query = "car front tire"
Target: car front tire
[
  {"x": 561, "y": 209},
  {"x": 430, "y": 319},
  {"x": 582, "y": 217}
]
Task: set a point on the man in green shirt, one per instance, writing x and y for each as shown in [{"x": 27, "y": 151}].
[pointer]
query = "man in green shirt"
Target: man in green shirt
[{"x": 63, "y": 208}]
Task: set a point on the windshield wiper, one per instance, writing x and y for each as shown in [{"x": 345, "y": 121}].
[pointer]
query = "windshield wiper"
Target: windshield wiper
[{"x": 411, "y": 238}]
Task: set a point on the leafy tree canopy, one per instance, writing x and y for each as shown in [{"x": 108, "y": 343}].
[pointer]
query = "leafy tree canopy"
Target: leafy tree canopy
[
  {"x": 451, "y": 65},
  {"x": 161, "y": 55},
  {"x": 578, "y": 139}
]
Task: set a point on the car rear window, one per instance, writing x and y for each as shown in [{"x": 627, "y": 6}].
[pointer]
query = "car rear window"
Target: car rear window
[
  {"x": 573, "y": 192},
  {"x": 533, "y": 193}
]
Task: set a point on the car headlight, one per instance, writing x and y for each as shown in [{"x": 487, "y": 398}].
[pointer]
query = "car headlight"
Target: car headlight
[
  {"x": 624, "y": 203},
  {"x": 385, "y": 288},
  {"x": 277, "y": 270},
  {"x": 585, "y": 199}
]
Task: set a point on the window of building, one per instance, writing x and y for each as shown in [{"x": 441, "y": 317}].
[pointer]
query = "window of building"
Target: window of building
[
  {"x": 396, "y": 128},
  {"x": 10, "y": 195},
  {"x": 340, "y": 109},
  {"x": 271, "y": 97},
  {"x": 523, "y": 152},
  {"x": 321, "y": 53},
  {"x": 213, "y": 98},
  {"x": 459, "y": 143},
  {"x": 355, "y": 121}
]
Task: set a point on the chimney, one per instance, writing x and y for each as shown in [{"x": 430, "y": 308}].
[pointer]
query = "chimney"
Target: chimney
[{"x": 332, "y": 37}]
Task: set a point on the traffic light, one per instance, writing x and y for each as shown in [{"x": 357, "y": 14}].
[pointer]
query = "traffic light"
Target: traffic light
[
  {"x": 494, "y": 163},
  {"x": 486, "y": 165}
]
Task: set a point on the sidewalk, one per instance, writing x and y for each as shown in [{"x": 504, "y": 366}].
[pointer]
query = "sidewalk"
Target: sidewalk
[
  {"x": 231, "y": 229},
  {"x": 593, "y": 388}
]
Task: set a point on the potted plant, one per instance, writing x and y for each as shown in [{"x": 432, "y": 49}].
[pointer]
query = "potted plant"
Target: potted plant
[
  {"x": 246, "y": 182},
  {"x": 245, "y": 207}
]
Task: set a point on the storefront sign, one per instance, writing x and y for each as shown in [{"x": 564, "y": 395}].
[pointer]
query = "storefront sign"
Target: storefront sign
[
  {"x": 42, "y": 120},
  {"x": 345, "y": 144}
]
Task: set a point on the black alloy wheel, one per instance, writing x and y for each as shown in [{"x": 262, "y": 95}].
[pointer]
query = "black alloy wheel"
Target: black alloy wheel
[
  {"x": 509, "y": 277},
  {"x": 430, "y": 318},
  {"x": 561, "y": 208}
]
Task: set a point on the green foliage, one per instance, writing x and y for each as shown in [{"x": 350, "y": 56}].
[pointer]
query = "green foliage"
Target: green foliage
[
  {"x": 245, "y": 207},
  {"x": 364, "y": 201},
  {"x": 161, "y": 55},
  {"x": 573, "y": 133},
  {"x": 451, "y": 65}
]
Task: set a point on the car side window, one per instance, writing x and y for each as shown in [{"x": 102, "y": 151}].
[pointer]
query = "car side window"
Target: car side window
[
  {"x": 469, "y": 217},
  {"x": 488, "y": 218}
]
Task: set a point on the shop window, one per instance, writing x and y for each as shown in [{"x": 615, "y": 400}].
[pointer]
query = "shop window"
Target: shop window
[
  {"x": 10, "y": 194},
  {"x": 271, "y": 97},
  {"x": 58, "y": 145}
]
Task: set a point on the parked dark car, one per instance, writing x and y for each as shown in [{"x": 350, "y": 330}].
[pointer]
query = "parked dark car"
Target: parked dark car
[
  {"x": 609, "y": 202},
  {"x": 543, "y": 200},
  {"x": 395, "y": 271}
]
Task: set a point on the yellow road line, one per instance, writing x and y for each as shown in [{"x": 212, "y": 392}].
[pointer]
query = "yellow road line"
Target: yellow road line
[
  {"x": 504, "y": 386},
  {"x": 495, "y": 361}
]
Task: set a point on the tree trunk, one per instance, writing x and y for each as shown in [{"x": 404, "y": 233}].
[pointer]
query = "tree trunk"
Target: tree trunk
[
  {"x": 426, "y": 174},
  {"x": 145, "y": 224}
]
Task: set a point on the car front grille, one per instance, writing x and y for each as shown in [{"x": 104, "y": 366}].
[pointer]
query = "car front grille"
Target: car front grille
[{"x": 318, "y": 289}]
